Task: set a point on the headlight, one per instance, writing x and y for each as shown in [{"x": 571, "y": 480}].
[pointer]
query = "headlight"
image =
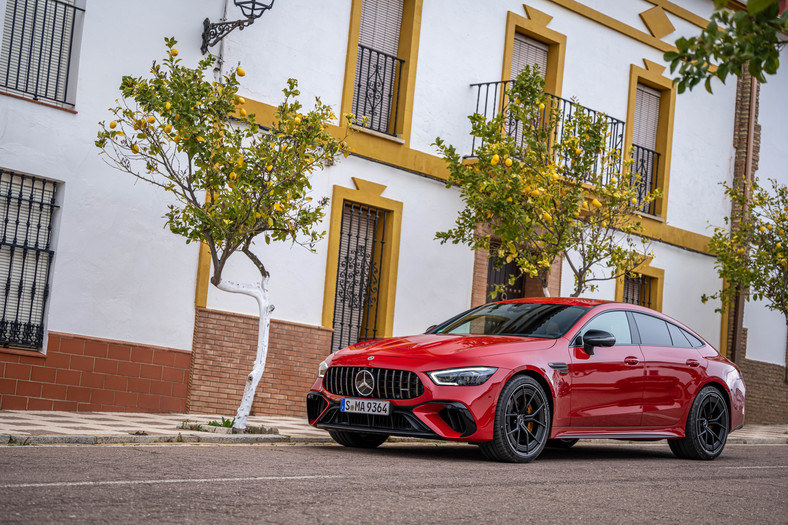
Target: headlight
[
  {"x": 462, "y": 376},
  {"x": 321, "y": 370}
]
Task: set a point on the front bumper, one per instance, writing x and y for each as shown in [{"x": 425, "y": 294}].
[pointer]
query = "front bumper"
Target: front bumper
[{"x": 449, "y": 420}]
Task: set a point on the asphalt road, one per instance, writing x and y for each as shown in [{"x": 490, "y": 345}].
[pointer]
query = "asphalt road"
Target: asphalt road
[{"x": 397, "y": 483}]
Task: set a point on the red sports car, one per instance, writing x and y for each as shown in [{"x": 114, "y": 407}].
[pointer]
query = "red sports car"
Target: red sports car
[{"x": 516, "y": 376}]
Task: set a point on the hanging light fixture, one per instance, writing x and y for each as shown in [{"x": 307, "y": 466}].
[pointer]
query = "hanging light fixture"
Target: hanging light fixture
[{"x": 251, "y": 9}]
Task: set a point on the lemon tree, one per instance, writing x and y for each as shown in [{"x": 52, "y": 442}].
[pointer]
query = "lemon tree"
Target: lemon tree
[
  {"x": 752, "y": 252},
  {"x": 529, "y": 197},
  {"x": 750, "y": 38},
  {"x": 233, "y": 181}
]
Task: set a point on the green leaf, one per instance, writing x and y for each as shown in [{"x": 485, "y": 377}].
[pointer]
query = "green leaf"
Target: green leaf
[{"x": 756, "y": 6}]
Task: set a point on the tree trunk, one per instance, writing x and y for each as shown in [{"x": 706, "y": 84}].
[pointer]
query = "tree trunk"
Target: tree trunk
[{"x": 259, "y": 291}]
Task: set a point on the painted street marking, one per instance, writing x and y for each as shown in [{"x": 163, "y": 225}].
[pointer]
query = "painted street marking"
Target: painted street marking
[{"x": 151, "y": 481}]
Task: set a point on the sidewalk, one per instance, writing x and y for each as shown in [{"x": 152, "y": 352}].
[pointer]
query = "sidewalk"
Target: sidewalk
[{"x": 43, "y": 427}]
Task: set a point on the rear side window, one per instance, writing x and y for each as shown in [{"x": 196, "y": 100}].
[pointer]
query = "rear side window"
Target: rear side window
[
  {"x": 694, "y": 341},
  {"x": 653, "y": 331},
  {"x": 679, "y": 339}
]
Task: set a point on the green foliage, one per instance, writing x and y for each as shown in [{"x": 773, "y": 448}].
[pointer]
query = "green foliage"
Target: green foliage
[
  {"x": 732, "y": 40},
  {"x": 226, "y": 423},
  {"x": 231, "y": 179},
  {"x": 529, "y": 198},
  {"x": 752, "y": 253}
]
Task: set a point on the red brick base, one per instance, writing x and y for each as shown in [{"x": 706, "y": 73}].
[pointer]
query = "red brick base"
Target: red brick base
[
  {"x": 87, "y": 374},
  {"x": 223, "y": 354},
  {"x": 767, "y": 390}
]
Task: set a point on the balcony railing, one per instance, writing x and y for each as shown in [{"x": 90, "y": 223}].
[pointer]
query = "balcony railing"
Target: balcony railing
[
  {"x": 376, "y": 93},
  {"x": 645, "y": 162},
  {"x": 491, "y": 100}
]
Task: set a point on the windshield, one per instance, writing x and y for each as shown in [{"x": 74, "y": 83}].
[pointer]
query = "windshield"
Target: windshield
[{"x": 548, "y": 321}]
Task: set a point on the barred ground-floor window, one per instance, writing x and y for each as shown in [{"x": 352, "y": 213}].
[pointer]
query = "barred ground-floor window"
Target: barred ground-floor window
[{"x": 27, "y": 207}]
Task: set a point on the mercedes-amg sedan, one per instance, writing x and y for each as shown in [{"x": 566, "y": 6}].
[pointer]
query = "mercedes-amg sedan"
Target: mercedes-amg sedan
[{"x": 516, "y": 376}]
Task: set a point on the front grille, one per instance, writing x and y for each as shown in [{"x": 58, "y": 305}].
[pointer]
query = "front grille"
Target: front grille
[
  {"x": 389, "y": 384},
  {"x": 315, "y": 404}
]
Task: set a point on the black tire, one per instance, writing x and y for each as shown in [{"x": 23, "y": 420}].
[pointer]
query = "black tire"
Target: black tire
[
  {"x": 561, "y": 443},
  {"x": 522, "y": 422},
  {"x": 707, "y": 427},
  {"x": 357, "y": 439}
]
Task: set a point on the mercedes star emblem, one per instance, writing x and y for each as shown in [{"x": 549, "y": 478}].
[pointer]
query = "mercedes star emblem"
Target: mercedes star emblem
[{"x": 365, "y": 382}]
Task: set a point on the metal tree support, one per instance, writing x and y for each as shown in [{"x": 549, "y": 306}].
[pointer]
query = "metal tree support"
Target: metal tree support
[{"x": 213, "y": 33}]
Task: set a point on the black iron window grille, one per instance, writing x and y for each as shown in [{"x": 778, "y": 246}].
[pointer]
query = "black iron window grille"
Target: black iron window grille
[
  {"x": 359, "y": 268},
  {"x": 499, "y": 274},
  {"x": 639, "y": 289},
  {"x": 376, "y": 90},
  {"x": 492, "y": 100},
  {"x": 645, "y": 163},
  {"x": 27, "y": 206},
  {"x": 37, "y": 58}
]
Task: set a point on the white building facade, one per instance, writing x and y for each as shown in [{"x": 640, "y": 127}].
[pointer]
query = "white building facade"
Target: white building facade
[{"x": 118, "y": 311}]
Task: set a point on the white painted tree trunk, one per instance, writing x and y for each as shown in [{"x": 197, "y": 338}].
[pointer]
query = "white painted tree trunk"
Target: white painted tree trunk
[
  {"x": 259, "y": 291},
  {"x": 545, "y": 291}
]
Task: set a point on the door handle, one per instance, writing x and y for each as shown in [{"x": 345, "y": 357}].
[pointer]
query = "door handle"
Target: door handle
[
  {"x": 693, "y": 362},
  {"x": 631, "y": 360}
]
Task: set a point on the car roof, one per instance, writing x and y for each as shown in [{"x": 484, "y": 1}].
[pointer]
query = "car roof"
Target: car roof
[{"x": 572, "y": 301}]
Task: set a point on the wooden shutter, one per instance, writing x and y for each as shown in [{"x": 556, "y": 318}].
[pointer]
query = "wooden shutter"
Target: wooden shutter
[
  {"x": 528, "y": 52},
  {"x": 644, "y": 126},
  {"x": 380, "y": 23}
]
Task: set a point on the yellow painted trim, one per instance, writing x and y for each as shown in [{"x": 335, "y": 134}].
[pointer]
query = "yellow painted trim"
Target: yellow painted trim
[
  {"x": 680, "y": 12},
  {"x": 657, "y": 22},
  {"x": 535, "y": 26},
  {"x": 367, "y": 193},
  {"x": 647, "y": 270},
  {"x": 659, "y": 231},
  {"x": 652, "y": 77},
  {"x": 410, "y": 34},
  {"x": 614, "y": 24},
  {"x": 203, "y": 276}
]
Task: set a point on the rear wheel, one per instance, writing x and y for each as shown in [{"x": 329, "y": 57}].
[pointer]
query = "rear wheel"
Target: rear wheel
[
  {"x": 707, "y": 427},
  {"x": 561, "y": 443},
  {"x": 522, "y": 422},
  {"x": 357, "y": 439}
]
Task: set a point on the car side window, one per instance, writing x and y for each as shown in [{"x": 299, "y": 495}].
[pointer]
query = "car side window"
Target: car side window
[
  {"x": 653, "y": 331},
  {"x": 694, "y": 341},
  {"x": 678, "y": 336},
  {"x": 614, "y": 322}
]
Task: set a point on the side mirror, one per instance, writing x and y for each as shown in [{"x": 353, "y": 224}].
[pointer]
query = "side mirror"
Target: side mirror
[{"x": 594, "y": 338}]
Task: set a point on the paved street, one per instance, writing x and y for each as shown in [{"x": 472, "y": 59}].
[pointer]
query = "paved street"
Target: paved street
[{"x": 402, "y": 483}]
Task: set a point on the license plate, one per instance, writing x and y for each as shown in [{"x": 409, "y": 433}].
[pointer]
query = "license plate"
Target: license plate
[{"x": 365, "y": 406}]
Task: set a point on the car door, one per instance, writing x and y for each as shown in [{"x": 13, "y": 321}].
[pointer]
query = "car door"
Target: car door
[
  {"x": 674, "y": 369},
  {"x": 607, "y": 386}
]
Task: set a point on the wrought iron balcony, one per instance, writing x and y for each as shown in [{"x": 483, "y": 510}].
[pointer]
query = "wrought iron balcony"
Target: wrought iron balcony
[
  {"x": 491, "y": 100},
  {"x": 645, "y": 162},
  {"x": 376, "y": 91}
]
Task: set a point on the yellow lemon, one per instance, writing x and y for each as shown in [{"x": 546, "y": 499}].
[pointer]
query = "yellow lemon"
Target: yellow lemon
[
  {"x": 240, "y": 72},
  {"x": 176, "y": 138},
  {"x": 167, "y": 128},
  {"x": 536, "y": 193},
  {"x": 242, "y": 112},
  {"x": 634, "y": 201},
  {"x": 508, "y": 162},
  {"x": 546, "y": 216},
  {"x": 495, "y": 159},
  {"x": 167, "y": 106},
  {"x": 174, "y": 52},
  {"x": 112, "y": 124},
  {"x": 269, "y": 167},
  {"x": 135, "y": 148},
  {"x": 596, "y": 204},
  {"x": 779, "y": 245},
  {"x": 576, "y": 214},
  {"x": 297, "y": 121},
  {"x": 541, "y": 106},
  {"x": 762, "y": 229},
  {"x": 578, "y": 151}
]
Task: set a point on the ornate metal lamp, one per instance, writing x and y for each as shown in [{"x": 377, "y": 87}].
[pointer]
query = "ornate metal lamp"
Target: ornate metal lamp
[{"x": 251, "y": 9}]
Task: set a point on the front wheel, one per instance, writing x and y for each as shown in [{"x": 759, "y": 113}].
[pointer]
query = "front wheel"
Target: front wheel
[
  {"x": 357, "y": 439},
  {"x": 707, "y": 427},
  {"x": 522, "y": 422}
]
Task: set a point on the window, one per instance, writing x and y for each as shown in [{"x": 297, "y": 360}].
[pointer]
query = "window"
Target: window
[
  {"x": 649, "y": 132},
  {"x": 378, "y": 69},
  {"x": 499, "y": 274},
  {"x": 644, "y": 142},
  {"x": 27, "y": 206},
  {"x": 549, "y": 321},
  {"x": 40, "y": 48},
  {"x": 356, "y": 304},
  {"x": 640, "y": 289},
  {"x": 361, "y": 264},
  {"x": 653, "y": 331},
  {"x": 615, "y": 323},
  {"x": 528, "y": 52},
  {"x": 678, "y": 337}
]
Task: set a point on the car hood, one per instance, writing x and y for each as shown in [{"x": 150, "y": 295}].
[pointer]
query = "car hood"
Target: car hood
[{"x": 429, "y": 347}]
